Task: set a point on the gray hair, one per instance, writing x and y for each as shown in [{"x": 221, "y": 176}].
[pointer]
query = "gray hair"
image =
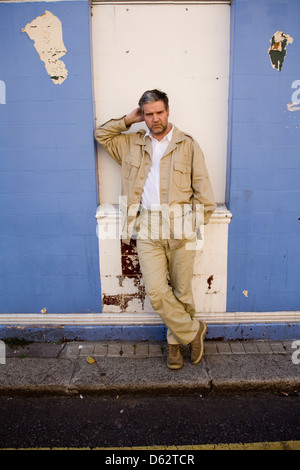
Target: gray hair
[{"x": 151, "y": 96}]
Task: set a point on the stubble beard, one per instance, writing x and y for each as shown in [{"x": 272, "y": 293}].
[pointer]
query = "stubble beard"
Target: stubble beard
[{"x": 159, "y": 129}]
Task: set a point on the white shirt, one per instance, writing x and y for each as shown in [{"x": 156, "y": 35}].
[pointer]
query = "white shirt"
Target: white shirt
[{"x": 151, "y": 193}]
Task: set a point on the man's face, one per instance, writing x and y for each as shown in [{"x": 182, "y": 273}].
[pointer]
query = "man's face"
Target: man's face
[{"x": 156, "y": 118}]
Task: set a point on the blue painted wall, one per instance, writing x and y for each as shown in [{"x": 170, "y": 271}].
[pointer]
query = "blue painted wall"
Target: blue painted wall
[
  {"x": 264, "y": 165},
  {"x": 48, "y": 244},
  {"x": 48, "y": 198}
]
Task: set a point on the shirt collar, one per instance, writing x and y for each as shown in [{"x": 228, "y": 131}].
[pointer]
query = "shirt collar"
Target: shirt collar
[{"x": 167, "y": 137}]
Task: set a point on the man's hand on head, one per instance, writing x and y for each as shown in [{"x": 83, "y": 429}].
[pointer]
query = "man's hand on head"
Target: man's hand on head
[{"x": 135, "y": 116}]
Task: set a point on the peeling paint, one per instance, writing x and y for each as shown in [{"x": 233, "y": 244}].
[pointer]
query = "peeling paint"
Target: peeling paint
[
  {"x": 122, "y": 286},
  {"x": 129, "y": 299},
  {"x": 120, "y": 300},
  {"x": 277, "y": 49},
  {"x": 245, "y": 292},
  {"x": 46, "y": 32},
  {"x": 210, "y": 280},
  {"x": 130, "y": 259}
]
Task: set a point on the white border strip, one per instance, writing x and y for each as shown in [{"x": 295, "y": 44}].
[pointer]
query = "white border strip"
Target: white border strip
[
  {"x": 41, "y": 1},
  {"x": 161, "y": 2},
  {"x": 155, "y": 2},
  {"x": 120, "y": 319}
]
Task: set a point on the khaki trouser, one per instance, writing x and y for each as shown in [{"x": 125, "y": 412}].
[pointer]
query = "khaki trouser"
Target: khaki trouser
[{"x": 173, "y": 300}]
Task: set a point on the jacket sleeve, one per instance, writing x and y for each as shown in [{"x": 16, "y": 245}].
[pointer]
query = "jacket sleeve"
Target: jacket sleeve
[
  {"x": 110, "y": 136},
  {"x": 203, "y": 192}
]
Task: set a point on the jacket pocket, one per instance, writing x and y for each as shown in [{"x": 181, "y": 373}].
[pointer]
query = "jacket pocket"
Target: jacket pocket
[
  {"x": 182, "y": 175},
  {"x": 131, "y": 169}
]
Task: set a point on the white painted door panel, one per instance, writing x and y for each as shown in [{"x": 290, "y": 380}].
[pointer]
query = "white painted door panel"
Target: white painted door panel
[{"x": 180, "y": 49}]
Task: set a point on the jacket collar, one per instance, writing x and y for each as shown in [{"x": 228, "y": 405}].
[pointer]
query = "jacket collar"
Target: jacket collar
[{"x": 145, "y": 140}]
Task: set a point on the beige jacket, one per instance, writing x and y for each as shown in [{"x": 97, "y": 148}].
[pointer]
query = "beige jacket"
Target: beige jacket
[{"x": 184, "y": 180}]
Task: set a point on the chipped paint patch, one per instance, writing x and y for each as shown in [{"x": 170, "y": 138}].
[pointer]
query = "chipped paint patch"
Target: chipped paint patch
[
  {"x": 46, "y": 32},
  {"x": 277, "y": 49},
  {"x": 209, "y": 281},
  {"x": 131, "y": 295},
  {"x": 245, "y": 292}
]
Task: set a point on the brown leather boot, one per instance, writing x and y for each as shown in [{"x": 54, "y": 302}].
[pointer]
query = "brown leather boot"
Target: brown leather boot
[
  {"x": 197, "y": 345},
  {"x": 175, "y": 357}
]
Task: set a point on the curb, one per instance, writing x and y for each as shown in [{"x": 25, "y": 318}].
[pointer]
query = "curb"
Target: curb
[{"x": 140, "y": 368}]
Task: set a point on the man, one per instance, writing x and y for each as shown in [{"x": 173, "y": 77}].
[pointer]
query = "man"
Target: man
[{"x": 164, "y": 178}]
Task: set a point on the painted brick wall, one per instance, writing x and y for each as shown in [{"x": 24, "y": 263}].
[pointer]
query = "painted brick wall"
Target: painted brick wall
[
  {"x": 48, "y": 245},
  {"x": 264, "y": 167}
]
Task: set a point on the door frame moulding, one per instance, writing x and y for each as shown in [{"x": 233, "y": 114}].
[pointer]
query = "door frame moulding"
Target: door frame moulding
[
  {"x": 161, "y": 2},
  {"x": 134, "y": 319}
]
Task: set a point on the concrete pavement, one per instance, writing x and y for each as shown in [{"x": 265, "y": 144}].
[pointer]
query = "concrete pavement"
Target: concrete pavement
[{"x": 112, "y": 367}]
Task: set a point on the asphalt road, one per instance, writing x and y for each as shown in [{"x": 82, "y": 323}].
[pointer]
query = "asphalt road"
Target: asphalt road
[{"x": 124, "y": 421}]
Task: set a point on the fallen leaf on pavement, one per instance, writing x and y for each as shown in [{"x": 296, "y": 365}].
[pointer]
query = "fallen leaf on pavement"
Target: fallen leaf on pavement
[{"x": 90, "y": 360}]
